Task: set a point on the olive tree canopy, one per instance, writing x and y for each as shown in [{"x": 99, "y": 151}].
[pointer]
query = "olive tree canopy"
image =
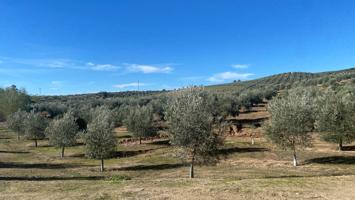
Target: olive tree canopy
[
  {"x": 35, "y": 125},
  {"x": 191, "y": 126},
  {"x": 291, "y": 121},
  {"x": 100, "y": 140},
  {"x": 16, "y": 122},
  {"x": 61, "y": 132},
  {"x": 336, "y": 118}
]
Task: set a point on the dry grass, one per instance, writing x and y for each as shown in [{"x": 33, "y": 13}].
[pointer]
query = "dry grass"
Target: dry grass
[{"x": 244, "y": 172}]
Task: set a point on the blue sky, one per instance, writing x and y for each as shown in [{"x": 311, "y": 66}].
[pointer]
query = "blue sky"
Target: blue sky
[{"x": 66, "y": 47}]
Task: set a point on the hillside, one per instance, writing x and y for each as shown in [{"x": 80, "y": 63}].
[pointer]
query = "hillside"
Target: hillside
[
  {"x": 291, "y": 80},
  {"x": 275, "y": 82}
]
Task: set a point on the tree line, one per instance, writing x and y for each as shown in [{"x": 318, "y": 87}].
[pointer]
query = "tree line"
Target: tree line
[
  {"x": 299, "y": 113},
  {"x": 195, "y": 118},
  {"x": 63, "y": 126}
]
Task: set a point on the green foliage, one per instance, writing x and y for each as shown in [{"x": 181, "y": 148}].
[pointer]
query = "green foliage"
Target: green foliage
[
  {"x": 118, "y": 178},
  {"x": 120, "y": 114},
  {"x": 35, "y": 125},
  {"x": 222, "y": 106},
  {"x": 61, "y": 132},
  {"x": 100, "y": 140},
  {"x": 50, "y": 108},
  {"x": 16, "y": 122},
  {"x": 12, "y": 100},
  {"x": 191, "y": 125},
  {"x": 140, "y": 121},
  {"x": 292, "y": 120},
  {"x": 336, "y": 117}
]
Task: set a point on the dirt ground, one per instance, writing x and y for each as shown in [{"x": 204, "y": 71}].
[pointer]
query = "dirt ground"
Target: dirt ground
[{"x": 150, "y": 171}]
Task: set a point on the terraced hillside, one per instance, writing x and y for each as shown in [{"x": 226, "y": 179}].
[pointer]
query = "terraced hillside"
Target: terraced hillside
[{"x": 291, "y": 80}]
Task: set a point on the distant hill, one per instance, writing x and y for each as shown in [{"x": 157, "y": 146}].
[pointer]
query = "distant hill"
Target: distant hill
[
  {"x": 290, "y": 80},
  {"x": 275, "y": 82}
]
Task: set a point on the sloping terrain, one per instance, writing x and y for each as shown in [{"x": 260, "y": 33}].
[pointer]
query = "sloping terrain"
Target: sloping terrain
[{"x": 290, "y": 80}]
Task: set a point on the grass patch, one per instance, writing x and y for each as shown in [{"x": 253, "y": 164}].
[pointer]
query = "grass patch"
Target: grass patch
[{"x": 118, "y": 178}]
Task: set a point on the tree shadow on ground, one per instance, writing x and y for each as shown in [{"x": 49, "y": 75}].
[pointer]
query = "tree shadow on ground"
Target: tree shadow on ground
[
  {"x": 348, "y": 148},
  {"x": 161, "y": 142},
  {"x": 125, "y": 154},
  {"x": 123, "y": 136},
  {"x": 19, "y": 152},
  {"x": 43, "y": 145},
  {"x": 232, "y": 150},
  {"x": 79, "y": 144},
  {"x": 77, "y": 155},
  {"x": 149, "y": 167},
  {"x": 38, "y": 165},
  {"x": 52, "y": 178},
  {"x": 332, "y": 160},
  {"x": 5, "y": 138}
]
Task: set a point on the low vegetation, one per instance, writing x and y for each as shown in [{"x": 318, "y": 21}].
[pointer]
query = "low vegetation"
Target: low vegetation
[{"x": 191, "y": 127}]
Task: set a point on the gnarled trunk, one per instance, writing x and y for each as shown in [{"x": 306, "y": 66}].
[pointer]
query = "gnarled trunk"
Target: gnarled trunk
[
  {"x": 140, "y": 140},
  {"x": 36, "y": 143}
]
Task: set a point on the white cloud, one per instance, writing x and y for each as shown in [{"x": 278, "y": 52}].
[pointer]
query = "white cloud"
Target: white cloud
[
  {"x": 149, "y": 69},
  {"x": 59, "y": 63},
  {"x": 102, "y": 67},
  {"x": 240, "y": 66},
  {"x": 127, "y": 85},
  {"x": 226, "y": 76}
]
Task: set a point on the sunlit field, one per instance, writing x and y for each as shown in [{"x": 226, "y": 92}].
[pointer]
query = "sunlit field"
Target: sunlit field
[{"x": 150, "y": 171}]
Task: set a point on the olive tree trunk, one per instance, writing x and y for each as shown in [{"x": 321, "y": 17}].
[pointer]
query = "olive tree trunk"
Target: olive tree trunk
[
  {"x": 102, "y": 168},
  {"x": 192, "y": 174},
  {"x": 340, "y": 144},
  {"x": 62, "y": 153},
  {"x": 36, "y": 143},
  {"x": 295, "y": 162}
]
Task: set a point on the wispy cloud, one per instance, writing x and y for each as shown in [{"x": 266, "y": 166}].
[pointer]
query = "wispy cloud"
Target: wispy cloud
[
  {"x": 46, "y": 63},
  {"x": 226, "y": 76},
  {"x": 59, "y": 63},
  {"x": 128, "y": 85},
  {"x": 240, "y": 66},
  {"x": 102, "y": 67},
  {"x": 149, "y": 69},
  {"x": 56, "y": 85}
]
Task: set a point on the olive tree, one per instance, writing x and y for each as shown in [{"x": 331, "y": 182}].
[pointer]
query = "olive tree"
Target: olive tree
[
  {"x": 139, "y": 121},
  {"x": 16, "y": 121},
  {"x": 100, "y": 140},
  {"x": 35, "y": 125},
  {"x": 191, "y": 126},
  {"x": 291, "y": 121},
  {"x": 61, "y": 132},
  {"x": 12, "y": 99},
  {"x": 336, "y": 118}
]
